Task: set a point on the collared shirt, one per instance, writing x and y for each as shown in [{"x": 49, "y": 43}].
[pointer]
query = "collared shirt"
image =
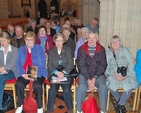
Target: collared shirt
[{"x": 5, "y": 55}]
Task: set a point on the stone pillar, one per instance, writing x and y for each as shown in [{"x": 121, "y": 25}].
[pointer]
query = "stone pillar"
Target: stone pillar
[
  {"x": 3, "y": 9},
  {"x": 88, "y": 9},
  {"x": 122, "y": 18}
]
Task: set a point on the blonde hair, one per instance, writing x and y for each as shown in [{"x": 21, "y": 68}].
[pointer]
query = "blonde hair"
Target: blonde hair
[
  {"x": 115, "y": 37},
  {"x": 30, "y": 34},
  {"x": 4, "y": 35}
]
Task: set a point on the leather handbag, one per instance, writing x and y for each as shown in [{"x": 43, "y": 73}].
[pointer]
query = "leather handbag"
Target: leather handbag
[{"x": 30, "y": 104}]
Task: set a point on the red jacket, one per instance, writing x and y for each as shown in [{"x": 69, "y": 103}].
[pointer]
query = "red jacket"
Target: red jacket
[
  {"x": 48, "y": 44},
  {"x": 89, "y": 66}
]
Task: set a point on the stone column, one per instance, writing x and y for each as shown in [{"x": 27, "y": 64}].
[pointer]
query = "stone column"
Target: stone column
[
  {"x": 122, "y": 18},
  {"x": 3, "y": 9},
  {"x": 88, "y": 9}
]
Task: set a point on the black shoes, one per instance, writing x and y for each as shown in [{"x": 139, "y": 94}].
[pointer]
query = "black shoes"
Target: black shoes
[{"x": 121, "y": 109}]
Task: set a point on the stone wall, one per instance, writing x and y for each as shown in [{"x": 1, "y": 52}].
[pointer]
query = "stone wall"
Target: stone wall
[{"x": 122, "y": 18}]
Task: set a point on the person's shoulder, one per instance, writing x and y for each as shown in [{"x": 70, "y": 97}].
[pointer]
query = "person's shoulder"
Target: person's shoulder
[
  {"x": 14, "y": 48},
  {"x": 139, "y": 51},
  {"x": 125, "y": 49}
]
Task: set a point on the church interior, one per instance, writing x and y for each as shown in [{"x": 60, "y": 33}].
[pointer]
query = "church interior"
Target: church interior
[{"x": 115, "y": 17}]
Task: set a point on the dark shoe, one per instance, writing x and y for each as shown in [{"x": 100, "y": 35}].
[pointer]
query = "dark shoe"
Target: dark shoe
[
  {"x": 48, "y": 111},
  {"x": 69, "y": 111},
  {"x": 121, "y": 109}
]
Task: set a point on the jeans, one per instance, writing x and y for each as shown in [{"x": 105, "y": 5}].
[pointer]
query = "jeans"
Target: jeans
[{"x": 3, "y": 78}]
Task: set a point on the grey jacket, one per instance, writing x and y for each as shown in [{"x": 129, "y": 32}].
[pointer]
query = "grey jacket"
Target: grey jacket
[
  {"x": 66, "y": 58},
  {"x": 123, "y": 58},
  {"x": 10, "y": 61}
]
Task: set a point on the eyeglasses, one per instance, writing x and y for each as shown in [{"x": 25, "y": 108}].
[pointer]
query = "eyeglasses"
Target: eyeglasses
[{"x": 29, "y": 39}]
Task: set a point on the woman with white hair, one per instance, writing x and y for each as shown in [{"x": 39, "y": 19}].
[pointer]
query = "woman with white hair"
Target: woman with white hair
[
  {"x": 120, "y": 72},
  {"x": 82, "y": 40}
]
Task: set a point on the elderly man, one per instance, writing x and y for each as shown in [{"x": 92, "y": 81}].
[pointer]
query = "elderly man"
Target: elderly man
[
  {"x": 11, "y": 30},
  {"x": 94, "y": 25},
  {"x": 91, "y": 61},
  {"x": 18, "y": 40}
]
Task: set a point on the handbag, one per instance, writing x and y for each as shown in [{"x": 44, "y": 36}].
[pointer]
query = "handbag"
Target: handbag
[
  {"x": 90, "y": 105},
  {"x": 8, "y": 101},
  {"x": 30, "y": 104}
]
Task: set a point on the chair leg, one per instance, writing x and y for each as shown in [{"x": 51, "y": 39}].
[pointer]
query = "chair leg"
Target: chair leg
[
  {"x": 138, "y": 98},
  {"x": 14, "y": 96},
  {"x": 135, "y": 99},
  {"x": 74, "y": 98},
  {"x": 43, "y": 96},
  {"x": 47, "y": 89},
  {"x": 108, "y": 100}
]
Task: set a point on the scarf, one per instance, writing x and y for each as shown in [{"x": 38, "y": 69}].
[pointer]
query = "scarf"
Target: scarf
[{"x": 43, "y": 40}]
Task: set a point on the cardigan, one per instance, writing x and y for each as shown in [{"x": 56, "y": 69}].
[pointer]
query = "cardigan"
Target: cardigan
[{"x": 38, "y": 59}]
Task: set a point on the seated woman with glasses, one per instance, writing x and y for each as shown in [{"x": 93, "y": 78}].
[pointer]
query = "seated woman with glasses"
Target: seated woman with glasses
[
  {"x": 30, "y": 55},
  {"x": 60, "y": 63}
]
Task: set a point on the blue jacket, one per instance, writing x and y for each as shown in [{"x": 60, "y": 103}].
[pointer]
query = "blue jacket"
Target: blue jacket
[
  {"x": 38, "y": 59},
  {"x": 138, "y": 66}
]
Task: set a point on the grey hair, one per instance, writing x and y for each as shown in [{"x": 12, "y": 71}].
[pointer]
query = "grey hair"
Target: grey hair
[
  {"x": 93, "y": 32},
  {"x": 66, "y": 29},
  {"x": 18, "y": 26},
  {"x": 115, "y": 37},
  {"x": 84, "y": 29},
  {"x": 32, "y": 21}
]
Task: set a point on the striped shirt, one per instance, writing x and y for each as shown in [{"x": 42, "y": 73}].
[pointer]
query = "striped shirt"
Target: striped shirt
[{"x": 91, "y": 50}]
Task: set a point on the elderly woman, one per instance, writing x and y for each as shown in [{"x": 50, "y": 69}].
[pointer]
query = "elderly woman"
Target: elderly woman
[
  {"x": 8, "y": 56},
  {"x": 120, "y": 72},
  {"x": 44, "y": 40},
  {"x": 69, "y": 41},
  {"x": 30, "y": 55},
  {"x": 82, "y": 40},
  {"x": 60, "y": 55}
]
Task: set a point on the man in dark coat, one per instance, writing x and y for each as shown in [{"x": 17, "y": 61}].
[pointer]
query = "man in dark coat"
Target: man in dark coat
[{"x": 91, "y": 62}]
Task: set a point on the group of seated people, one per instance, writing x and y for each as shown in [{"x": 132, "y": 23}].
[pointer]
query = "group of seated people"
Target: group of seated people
[{"x": 96, "y": 67}]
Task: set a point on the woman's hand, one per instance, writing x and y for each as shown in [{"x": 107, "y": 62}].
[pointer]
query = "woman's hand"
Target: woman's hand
[
  {"x": 2, "y": 68},
  {"x": 4, "y": 71},
  {"x": 119, "y": 78},
  {"x": 60, "y": 75},
  {"x": 26, "y": 76}
]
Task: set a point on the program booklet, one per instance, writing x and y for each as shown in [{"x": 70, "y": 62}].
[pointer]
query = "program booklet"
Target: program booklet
[
  {"x": 32, "y": 70},
  {"x": 54, "y": 79}
]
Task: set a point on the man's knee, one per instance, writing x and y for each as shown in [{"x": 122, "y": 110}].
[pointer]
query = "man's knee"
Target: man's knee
[
  {"x": 81, "y": 88},
  {"x": 103, "y": 88}
]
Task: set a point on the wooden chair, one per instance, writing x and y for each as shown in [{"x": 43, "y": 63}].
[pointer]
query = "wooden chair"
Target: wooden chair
[
  {"x": 135, "y": 91},
  {"x": 73, "y": 89},
  {"x": 10, "y": 85},
  {"x": 95, "y": 91},
  {"x": 138, "y": 98}
]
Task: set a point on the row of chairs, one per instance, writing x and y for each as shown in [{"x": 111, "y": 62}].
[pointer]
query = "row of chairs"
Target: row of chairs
[{"x": 10, "y": 85}]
